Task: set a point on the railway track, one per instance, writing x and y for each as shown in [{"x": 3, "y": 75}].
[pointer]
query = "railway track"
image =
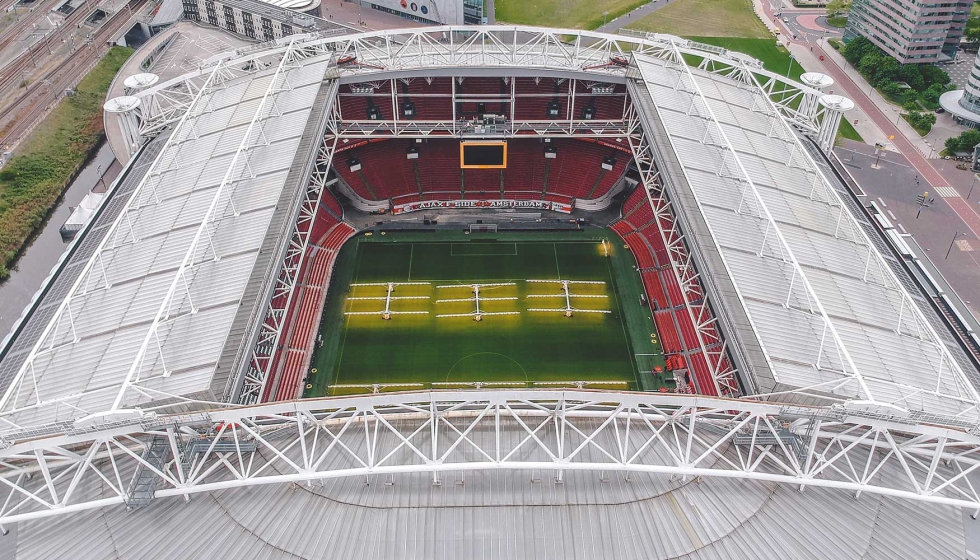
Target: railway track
[
  {"x": 9, "y": 34},
  {"x": 31, "y": 106},
  {"x": 12, "y": 72}
]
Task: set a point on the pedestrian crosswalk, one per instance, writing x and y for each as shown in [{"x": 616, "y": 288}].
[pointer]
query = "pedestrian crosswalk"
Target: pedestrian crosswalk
[{"x": 947, "y": 192}]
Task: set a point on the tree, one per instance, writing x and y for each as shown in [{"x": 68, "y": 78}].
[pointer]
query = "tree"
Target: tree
[
  {"x": 857, "y": 48},
  {"x": 952, "y": 144},
  {"x": 933, "y": 74},
  {"x": 969, "y": 139},
  {"x": 964, "y": 142},
  {"x": 886, "y": 70},
  {"x": 911, "y": 75},
  {"x": 869, "y": 63},
  {"x": 922, "y": 122},
  {"x": 932, "y": 93},
  {"x": 892, "y": 90},
  {"x": 973, "y": 34},
  {"x": 835, "y": 7}
]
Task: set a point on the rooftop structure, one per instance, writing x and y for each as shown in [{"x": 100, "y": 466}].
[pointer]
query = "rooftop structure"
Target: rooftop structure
[
  {"x": 964, "y": 104},
  {"x": 143, "y": 378}
]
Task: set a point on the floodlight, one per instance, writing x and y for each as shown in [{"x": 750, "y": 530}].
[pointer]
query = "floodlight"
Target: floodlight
[
  {"x": 553, "y": 109},
  {"x": 408, "y": 109}
]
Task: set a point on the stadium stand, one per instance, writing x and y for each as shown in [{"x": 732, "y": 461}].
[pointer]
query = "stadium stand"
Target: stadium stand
[
  {"x": 642, "y": 233},
  {"x": 386, "y": 173},
  {"x": 291, "y": 363},
  {"x": 668, "y": 332},
  {"x": 431, "y": 99}
]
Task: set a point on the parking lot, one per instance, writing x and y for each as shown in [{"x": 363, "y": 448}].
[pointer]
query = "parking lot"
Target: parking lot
[{"x": 960, "y": 70}]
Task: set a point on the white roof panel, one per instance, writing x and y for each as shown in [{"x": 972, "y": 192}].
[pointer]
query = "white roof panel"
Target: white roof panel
[
  {"x": 787, "y": 239},
  {"x": 90, "y": 358}
]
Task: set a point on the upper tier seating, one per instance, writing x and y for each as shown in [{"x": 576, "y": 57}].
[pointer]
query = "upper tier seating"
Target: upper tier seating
[{"x": 386, "y": 173}]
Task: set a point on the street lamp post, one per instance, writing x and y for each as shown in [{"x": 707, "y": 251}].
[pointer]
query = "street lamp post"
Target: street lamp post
[
  {"x": 791, "y": 59},
  {"x": 955, "y": 235},
  {"x": 604, "y": 16},
  {"x": 975, "y": 177}
]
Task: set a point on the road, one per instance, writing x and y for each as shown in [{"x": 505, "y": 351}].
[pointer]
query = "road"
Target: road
[{"x": 931, "y": 177}]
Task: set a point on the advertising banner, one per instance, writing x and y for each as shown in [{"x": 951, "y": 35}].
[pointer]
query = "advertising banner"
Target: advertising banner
[{"x": 483, "y": 204}]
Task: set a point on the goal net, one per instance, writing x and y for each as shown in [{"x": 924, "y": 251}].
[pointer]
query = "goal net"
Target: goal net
[{"x": 483, "y": 227}]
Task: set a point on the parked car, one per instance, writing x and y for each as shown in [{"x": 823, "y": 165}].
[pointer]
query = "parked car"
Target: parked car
[{"x": 940, "y": 111}]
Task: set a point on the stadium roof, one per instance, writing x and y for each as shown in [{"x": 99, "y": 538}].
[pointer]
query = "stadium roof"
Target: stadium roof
[
  {"x": 152, "y": 317},
  {"x": 524, "y": 507},
  {"x": 148, "y": 318},
  {"x": 831, "y": 315}
]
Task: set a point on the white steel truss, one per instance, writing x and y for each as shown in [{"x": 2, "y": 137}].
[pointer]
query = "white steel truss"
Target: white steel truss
[
  {"x": 438, "y": 432},
  {"x": 533, "y": 51},
  {"x": 696, "y": 300},
  {"x": 263, "y": 350},
  {"x": 93, "y": 276},
  {"x": 800, "y": 295}
]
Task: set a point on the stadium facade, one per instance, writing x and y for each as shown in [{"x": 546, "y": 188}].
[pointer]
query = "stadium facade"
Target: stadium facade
[{"x": 837, "y": 415}]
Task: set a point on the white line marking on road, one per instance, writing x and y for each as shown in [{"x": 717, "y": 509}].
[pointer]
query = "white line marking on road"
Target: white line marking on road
[
  {"x": 892, "y": 215},
  {"x": 882, "y": 201}
]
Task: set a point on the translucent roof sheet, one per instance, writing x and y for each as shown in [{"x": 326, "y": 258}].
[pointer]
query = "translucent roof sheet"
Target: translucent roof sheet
[
  {"x": 89, "y": 361},
  {"x": 752, "y": 180}
]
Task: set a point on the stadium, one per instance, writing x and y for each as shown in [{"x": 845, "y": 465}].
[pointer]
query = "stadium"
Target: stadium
[{"x": 484, "y": 292}]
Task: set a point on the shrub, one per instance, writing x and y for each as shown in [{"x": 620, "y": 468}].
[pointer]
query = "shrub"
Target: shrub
[{"x": 32, "y": 181}]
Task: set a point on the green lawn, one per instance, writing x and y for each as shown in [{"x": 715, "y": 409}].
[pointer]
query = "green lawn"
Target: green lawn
[
  {"x": 524, "y": 348},
  {"x": 575, "y": 14},
  {"x": 709, "y": 18},
  {"x": 918, "y": 129},
  {"x": 32, "y": 182},
  {"x": 837, "y": 21},
  {"x": 776, "y": 59}
]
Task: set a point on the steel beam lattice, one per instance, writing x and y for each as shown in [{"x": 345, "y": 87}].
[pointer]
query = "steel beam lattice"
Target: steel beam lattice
[{"x": 677, "y": 436}]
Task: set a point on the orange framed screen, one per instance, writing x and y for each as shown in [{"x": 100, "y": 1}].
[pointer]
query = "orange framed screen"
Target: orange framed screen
[{"x": 483, "y": 155}]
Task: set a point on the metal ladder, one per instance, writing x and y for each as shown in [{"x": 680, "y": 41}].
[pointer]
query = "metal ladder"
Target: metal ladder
[{"x": 143, "y": 486}]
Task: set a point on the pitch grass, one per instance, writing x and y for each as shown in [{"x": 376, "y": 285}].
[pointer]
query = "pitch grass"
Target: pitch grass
[
  {"x": 574, "y": 14},
  {"x": 525, "y": 348}
]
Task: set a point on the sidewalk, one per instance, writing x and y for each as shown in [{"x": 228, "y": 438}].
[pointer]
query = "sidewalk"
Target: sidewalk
[
  {"x": 858, "y": 118},
  {"x": 892, "y": 111},
  {"x": 630, "y": 17},
  {"x": 809, "y": 61}
]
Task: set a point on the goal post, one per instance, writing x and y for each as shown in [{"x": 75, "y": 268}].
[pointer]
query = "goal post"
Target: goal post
[{"x": 492, "y": 228}]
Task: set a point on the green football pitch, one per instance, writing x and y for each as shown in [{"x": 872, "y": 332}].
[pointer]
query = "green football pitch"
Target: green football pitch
[{"x": 429, "y": 340}]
